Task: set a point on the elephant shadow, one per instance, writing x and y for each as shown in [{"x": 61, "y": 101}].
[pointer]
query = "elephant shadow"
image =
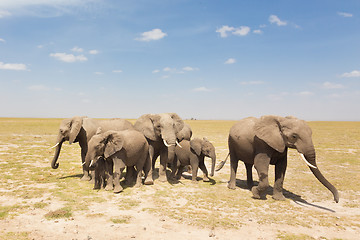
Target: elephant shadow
[
  {"x": 287, "y": 194},
  {"x": 72, "y": 176}
]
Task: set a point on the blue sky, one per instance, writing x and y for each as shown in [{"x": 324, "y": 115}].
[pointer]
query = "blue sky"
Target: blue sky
[{"x": 206, "y": 59}]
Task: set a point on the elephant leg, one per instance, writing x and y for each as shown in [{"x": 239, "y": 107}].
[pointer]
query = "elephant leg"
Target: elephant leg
[
  {"x": 204, "y": 170},
  {"x": 147, "y": 171},
  {"x": 261, "y": 163},
  {"x": 194, "y": 166},
  {"x": 130, "y": 175},
  {"x": 249, "y": 176},
  {"x": 179, "y": 172},
  {"x": 109, "y": 175},
  {"x": 280, "y": 169},
  {"x": 119, "y": 168},
  {"x": 86, "y": 176},
  {"x": 233, "y": 168},
  {"x": 162, "y": 167},
  {"x": 97, "y": 177}
]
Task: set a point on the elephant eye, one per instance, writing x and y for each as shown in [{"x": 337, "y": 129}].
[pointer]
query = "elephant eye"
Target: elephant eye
[{"x": 294, "y": 136}]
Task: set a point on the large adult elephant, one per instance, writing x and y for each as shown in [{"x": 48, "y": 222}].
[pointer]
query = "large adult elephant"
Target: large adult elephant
[
  {"x": 81, "y": 129},
  {"x": 163, "y": 132},
  {"x": 262, "y": 141}
]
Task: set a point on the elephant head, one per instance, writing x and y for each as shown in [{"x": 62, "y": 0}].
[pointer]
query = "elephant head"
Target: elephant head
[
  {"x": 282, "y": 132},
  {"x": 164, "y": 127},
  {"x": 205, "y": 148},
  {"x": 69, "y": 131},
  {"x": 101, "y": 146}
]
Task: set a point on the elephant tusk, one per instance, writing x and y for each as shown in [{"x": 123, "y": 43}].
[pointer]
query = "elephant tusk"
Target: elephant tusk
[
  {"x": 55, "y": 145},
  {"x": 91, "y": 163},
  {"x": 83, "y": 164},
  {"x": 166, "y": 144},
  {"x": 177, "y": 143},
  {"x": 309, "y": 164}
]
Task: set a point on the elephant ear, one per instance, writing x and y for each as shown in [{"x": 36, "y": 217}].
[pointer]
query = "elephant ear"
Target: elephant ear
[
  {"x": 145, "y": 125},
  {"x": 185, "y": 133},
  {"x": 75, "y": 126},
  {"x": 178, "y": 122},
  {"x": 114, "y": 143},
  {"x": 268, "y": 130},
  {"x": 195, "y": 145}
]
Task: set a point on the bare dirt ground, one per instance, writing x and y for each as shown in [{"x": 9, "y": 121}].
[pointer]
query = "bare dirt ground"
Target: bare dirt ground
[{"x": 31, "y": 194}]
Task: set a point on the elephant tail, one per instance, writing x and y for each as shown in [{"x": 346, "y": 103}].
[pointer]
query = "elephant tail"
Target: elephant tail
[{"x": 222, "y": 163}]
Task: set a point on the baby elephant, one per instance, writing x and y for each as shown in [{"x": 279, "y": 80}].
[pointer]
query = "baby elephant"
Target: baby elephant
[
  {"x": 193, "y": 153},
  {"x": 120, "y": 149}
]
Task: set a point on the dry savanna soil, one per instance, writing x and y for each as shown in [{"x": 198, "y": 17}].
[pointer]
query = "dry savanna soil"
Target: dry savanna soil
[{"x": 38, "y": 202}]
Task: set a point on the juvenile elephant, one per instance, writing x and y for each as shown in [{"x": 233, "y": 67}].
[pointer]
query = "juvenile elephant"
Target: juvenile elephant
[
  {"x": 262, "y": 141},
  {"x": 81, "y": 129},
  {"x": 163, "y": 132},
  {"x": 120, "y": 149},
  {"x": 193, "y": 153}
]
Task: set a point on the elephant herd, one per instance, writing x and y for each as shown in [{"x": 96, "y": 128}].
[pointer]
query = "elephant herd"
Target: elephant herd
[{"x": 108, "y": 146}]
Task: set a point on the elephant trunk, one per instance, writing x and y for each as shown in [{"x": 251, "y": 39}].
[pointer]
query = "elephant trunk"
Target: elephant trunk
[
  {"x": 54, "y": 163},
  {"x": 310, "y": 157},
  {"x": 170, "y": 142},
  {"x": 213, "y": 163}
]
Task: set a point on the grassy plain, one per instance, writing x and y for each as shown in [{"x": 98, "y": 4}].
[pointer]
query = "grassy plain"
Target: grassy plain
[{"x": 30, "y": 187}]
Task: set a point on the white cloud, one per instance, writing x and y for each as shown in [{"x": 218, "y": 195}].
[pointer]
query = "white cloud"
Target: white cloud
[
  {"x": 223, "y": 30},
  {"x": 329, "y": 85},
  {"x": 252, "y": 83},
  {"x": 241, "y": 31},
  {"x": 156, "y": 71},
  {"x": 4, "y": 14},
  {"x": 69, "y": 58},
  {"x": 189, "y": 69},
  {"x": 42, "y": 8},
  {"x": 99, "y": 73},
  {"x": 38, "y": 88},
  {"x": 258, "y": 31},
  {"x": 345, "y": 14},
  {"x": 354, "y": 73},
  {"x": 201, "y": 89},
  {"x": 117, "y": 71},
  {"x": 230, "y": 61},
  {"x": 13, "y": 66},
  {"x": 305, "y": 93},
  {"x": 273, "y": 19},
  {"x": 77, "y": 49},
  {"x": 93, "y": 52},
  {"x": 155, "y": 34},
  {"x": 2, "y": 40}
]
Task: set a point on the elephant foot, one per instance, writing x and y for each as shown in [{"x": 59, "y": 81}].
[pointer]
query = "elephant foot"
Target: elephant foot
[
  {"x": 231, "y": 186},
  {"x": 162, "y": 178},
  {"x": 278, "y": 196},
  {"x": 85, "y": 178},
  {"x": 118, "y": 189},
  {"x": 255, "y": 192},
  {"x": 206, "y": 179},
  {"x": 109, "y": 187},
  {"x": 149, "y": 181},
  {"x": 137, "y": 185}
]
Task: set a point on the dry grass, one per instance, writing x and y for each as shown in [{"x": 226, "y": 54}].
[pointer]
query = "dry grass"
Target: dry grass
[{"x": 28, "y": 180}]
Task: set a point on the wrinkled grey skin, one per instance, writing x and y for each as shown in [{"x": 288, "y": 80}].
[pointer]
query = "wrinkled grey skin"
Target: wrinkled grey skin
[
  {"x": 193, "y": 153},
  {"x": 262, "y": 141},
  {"x": 119, "y": 149},
  {"x": 157, "y": 128},
  {"x": 81, "y": 129}
]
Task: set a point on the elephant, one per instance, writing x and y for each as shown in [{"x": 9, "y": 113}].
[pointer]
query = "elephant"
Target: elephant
[
  {"x": 81, "y": 129},
  {"x": 120, "y": 149},
  {"x": 163, "y": 132},
  {"x": 262, "y": 141},
  {"x": 193, "y": 153}
]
